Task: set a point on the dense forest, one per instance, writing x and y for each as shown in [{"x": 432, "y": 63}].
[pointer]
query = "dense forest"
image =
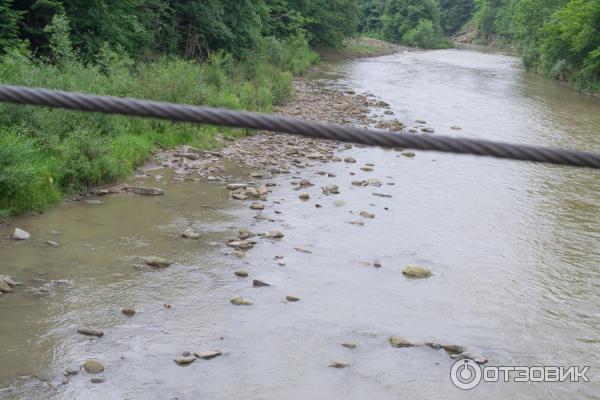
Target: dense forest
[{"x": 240, "y": 54}]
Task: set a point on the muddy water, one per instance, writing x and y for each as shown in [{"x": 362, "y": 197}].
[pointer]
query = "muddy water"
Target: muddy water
[{"x": 513, "y": 248}]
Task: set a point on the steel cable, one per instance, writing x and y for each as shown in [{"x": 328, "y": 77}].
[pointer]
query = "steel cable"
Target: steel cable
[{"x": 275, "y": 123}]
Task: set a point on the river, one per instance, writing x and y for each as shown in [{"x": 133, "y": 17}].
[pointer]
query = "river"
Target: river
[{"x": 513, "y": 247}]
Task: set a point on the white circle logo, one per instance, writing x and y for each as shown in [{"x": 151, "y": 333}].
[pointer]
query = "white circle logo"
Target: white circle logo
[{"x": 465, "y": 374}]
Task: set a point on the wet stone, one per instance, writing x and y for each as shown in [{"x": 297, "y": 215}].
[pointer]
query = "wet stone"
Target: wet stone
[
  {"x": 257, "y": 206},
  {"x": 190, "y": 234},
  {"x": 413, "y": 271},
  {"x": 427, "y": 130},
  {"x": 240, "y": 301},
  {"x": 274, "y": 234},
  {"x": 408, "y": 154},
  {"x": 259, "y": 283},
  {"x": 20, "y": 234},
  {"x": 397, "y": 341},
  {"x": 366, "y": 214},
  {"x": 93, "y": 367},
  {"x": 349, "y": 345},
  {"x": 90, "y": 332},
  {"x": 241, "y": 273},
  {"x": 128, "y": 311},
  {"x": 350, "y": 160},
  {"x": 304, "y": 196},
  {"x": 338, "y": 365},
  {"x": 292, "y": 299},
  {"x": 184, "y": 361},
  {"x": 97, "y": 380},
  {"x": 455, "y": 128},
  {"x": 208, "y": 355},
  {"x": 157, "y": 262}
]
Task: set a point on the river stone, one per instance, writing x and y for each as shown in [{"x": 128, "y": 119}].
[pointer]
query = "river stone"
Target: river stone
[
  {"x": 350, "y": 160},
  {"x": 252, "y": 192},
  {"x": 420, "y": 121},
  {"x": 97, "y": 380},
  {"x": 90, "y": 332},
  {"x": 453, "y": 348},
  {"x": 157, "y": 262},
  {"x": 247, "y": 233},
  {"x": 366, "y": 214},
  {"x": 338, "y": 365},
  {"x": 349, "y": 345},
  {"x": 382, "y": 103},
  {"x": 275, "y": 234},
  {"x": 128, "y": 311},
  {"x": 381, "y": 195},
  {"x": 4, "y": 287},
  {"x": 408, "y": 154},
  {"x": 262, "y": 190},
  {"x": 236, "y": 186},
  {"x": 259, "y": 283},
  {"x": 52, "y": 243},
  {"x": 377, "y": 264},
  {"x": 208, "y": 355},
  {"x": 427, "y": 130},
  {"x": 257, "y": 206},
  {"x": 304, "y": 196},
  {"x": 397, "y": 341},
  {"x": 478, "y": 358},
  {"x": 339, "y": 203},
  {"x": 292, "y": 299},
  {"x": 145, "y": 191},
  {"x": 241, "y": 273},
  {"x": 20, "y": 234},
  {"x": 190, "y": 234},
  {"x": 333, "y": 189},
  {"x": 413, "y": 271},
  {"x": 184, "y": 361},
  {"x": 367, "y": 169},
  {"x": 314, "y": 156},
  {"x": 240, "y": 301},
  {"x": 241, "y": 244},
  {"x": 9, "y": 280},
  {"x": 455, "y": 128},
  {"x": 93, "y": 367}
]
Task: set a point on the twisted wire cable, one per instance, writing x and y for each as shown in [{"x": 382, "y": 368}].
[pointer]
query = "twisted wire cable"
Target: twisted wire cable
[{"x": 243, "y": 119}]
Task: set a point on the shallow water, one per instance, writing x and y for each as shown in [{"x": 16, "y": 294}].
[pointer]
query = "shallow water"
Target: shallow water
[{"x": 513, "y": 248}]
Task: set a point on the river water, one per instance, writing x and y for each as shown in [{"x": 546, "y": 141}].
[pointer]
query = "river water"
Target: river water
[{"x": 514, "y": 249}]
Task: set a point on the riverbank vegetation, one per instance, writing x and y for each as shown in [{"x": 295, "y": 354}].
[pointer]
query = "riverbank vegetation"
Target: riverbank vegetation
[{"x": 558, "y": 38}]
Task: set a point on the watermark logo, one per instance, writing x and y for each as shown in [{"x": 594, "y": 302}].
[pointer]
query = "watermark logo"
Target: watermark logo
[{"x": 466, "y": 374}]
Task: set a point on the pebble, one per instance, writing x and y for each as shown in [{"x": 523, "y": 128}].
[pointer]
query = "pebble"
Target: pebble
[
  {"x": 190, "y": 234},
  {"x": 93, "y": 367},
  {"x": 397, "y": 341},
  {"x": 52, "y": 243},
  {"x": 241, "y": 273},
  {"x": 4, "y": 286},
  {"x": 97, "y": 380},
  {"x": 304, "y": 196},
  {"x": 157, "y": 262},
  {"x": 349, "y": 345},
  {"x": 257, "y": 206},
  {"x": 455, "y": 128},
  {"x": 377, "y": 264},
  {"x": 259, "y": 283},
  {"x": 90, "y": 332},
  {"x": 478, "y": 358},
  {"x": 240, "y": 301},
  {"x": 427, "y": 130},
  {"x": 184, "y": 361},
  {"x": 274, "y": 234},
  {"x": 302, "y": 250},
  {"x": 408, "y": 154},
  {"x": 292, "y": 298},
  {"x": 20, "y": 234},
  {"x": 332, "y": 189},
  {"x": 382, "y": 195},
  {"x": 350, "y": 160},
  {"x": 128, "y": 311},
  {"x": 208, "y": 355},
  {"x": 367, "y": 169},
  {"x": 420, "y": 121},
  {"x": 338, "y": 365},
  {"x": 236, "y": 186},
  {"x": 366, "y": 214},
  {"x": 413, "y": 271}
]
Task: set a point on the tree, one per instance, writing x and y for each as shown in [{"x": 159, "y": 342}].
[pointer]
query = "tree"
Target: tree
[{"x": 9, "y": 25}]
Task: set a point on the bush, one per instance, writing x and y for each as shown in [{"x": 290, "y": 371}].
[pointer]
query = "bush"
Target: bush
[{"x": 45, "y": 153}]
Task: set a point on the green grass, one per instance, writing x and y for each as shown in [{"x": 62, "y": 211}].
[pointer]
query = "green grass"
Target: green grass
[{"x": 48, "y": 153}]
